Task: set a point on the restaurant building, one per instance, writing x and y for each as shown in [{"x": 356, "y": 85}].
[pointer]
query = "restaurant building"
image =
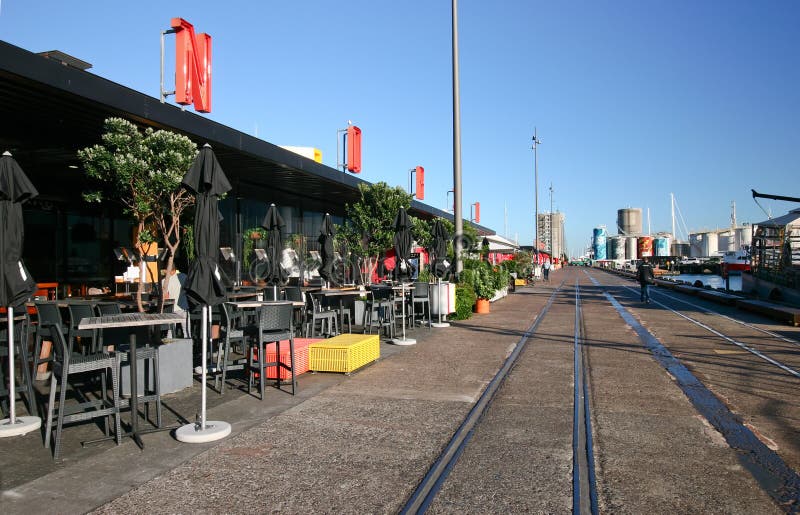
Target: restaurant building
[{"x": 51, "y": 107}]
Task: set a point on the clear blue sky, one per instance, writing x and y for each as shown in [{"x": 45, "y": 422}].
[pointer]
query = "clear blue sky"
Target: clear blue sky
[{"x": 632, "y": 99}]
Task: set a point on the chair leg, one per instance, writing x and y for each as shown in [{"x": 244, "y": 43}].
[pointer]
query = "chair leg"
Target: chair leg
[
  {"x": 60, "y": 418},
  {"x": 48, "y": 430},
  {"x": 116, "y": 400},
  {"x": 291, "y": 363},
  {"x": 262, "y": 370}
]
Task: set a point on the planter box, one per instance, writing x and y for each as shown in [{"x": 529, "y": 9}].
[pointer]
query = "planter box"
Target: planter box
[
  {"x": 344, "y": 353},
  {"x": 447, "y": 303},
  {"x": 174, "y": 369}
]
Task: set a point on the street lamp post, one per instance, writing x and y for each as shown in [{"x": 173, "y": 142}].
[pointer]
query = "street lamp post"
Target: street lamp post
[
  {"x": 536, "y": 143},
  {"x": 457, "y": 217}
]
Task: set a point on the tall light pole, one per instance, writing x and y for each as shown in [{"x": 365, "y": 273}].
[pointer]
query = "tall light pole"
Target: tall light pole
[
  {"x": 552, "y": 243},
  {"x": 536, "y": 142},
  {"x": 457, "y": 217}
]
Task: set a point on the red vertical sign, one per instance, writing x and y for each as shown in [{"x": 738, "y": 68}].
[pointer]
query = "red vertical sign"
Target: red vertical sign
[
  {"x": 420, "y": 183},
  {"x": 477, "y": 212},
  {"x": 192, "y": 66},
  {"x": 353, "y": 149}
]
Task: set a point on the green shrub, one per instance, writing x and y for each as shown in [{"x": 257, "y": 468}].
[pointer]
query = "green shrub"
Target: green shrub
[{"x": 465, "y": 299}]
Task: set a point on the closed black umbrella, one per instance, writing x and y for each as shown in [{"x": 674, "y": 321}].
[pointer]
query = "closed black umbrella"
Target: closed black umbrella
[
  {"x": 273, "y": 223},
  {"x": 207, "y": 180},
  {"x": 402, "y": 242},
  {"x": 439, "y": 265},
  {"x": 326, "y": 248},
  {"x": 16, "y": 283},
  {"x": 204, "y": 283}
]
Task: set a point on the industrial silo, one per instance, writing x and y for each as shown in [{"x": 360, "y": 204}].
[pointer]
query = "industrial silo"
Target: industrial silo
[
  {"x": 742, "y": 236},
  {"x": 710, "y": 244},
  {"x": 616, "y": 245},
  {"x": 631, "y": 248},
  {"x": 645, "y": 246},
  {"x": 696, "y": 244},
  {"x": 599, "y": 242},
  {"x": 726, "y": 241},
  {"x": 679, "y": 249},
  {"x": 661, "y": 246},
  {"x": 629, "y": 221}
]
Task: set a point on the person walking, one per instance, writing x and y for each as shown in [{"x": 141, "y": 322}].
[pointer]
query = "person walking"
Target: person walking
[
  {"x": 547, "y": 271},
  {"x": 645, "y": 276}
]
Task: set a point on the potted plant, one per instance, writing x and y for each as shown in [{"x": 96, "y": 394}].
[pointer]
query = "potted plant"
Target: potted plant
[
  {"x": 250, "y": 237},
  {"x": 483, "y": 283}
]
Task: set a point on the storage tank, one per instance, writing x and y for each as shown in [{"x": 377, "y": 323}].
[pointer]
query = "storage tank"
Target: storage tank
[
  {"x": 616, "y": 248},
  {"x": 645, "y": 246},
  {"x": 710, "y": 244},
  {"x": 696, "y": 244},
  {"x": 631, "y": 248},
  {"x": 742, "y": 236},
  {"x": 661, "y": 246},
  {"x": 680, "y": 249},
  {"x": 599, "y": 242},
  {"x": 726, "y": 241},
  {"x": 629, "y": 221}
]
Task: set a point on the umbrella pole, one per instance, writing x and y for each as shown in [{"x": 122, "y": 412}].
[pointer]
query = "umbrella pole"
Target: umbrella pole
[
  {"x": 204, "y": 335},
  {"x": 404, "y": 340},
  {"x": 439, "y": 306},
  {"x": 204, "y": 431},
  {"x": 14, "y": 426}
]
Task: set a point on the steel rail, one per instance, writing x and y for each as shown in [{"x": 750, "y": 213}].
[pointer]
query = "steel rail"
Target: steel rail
[
  {"x": 583, "y": 471},
  {"x": 429, "y": 487},
  {"x": 779, "y": 480},
  {"x": 739, "y": 344},
  {"x": 723, "y": 315}
]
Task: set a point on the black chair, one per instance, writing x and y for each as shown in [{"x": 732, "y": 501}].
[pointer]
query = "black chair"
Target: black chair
[
  {"x": 316, "y": 313},
  {"x": 48, "y": 317},
  {"x": 66, "y": 365},
  {"x": 77, "y": 312},
  {"x": 230, "y": 333},
  {"x": 295, "y": 294},
  {"x": 379, "y": 310},
  {"x": 23, "y": 384},
  {"x": 274, "y": 324},
  {"x": 421, "y": 298}
]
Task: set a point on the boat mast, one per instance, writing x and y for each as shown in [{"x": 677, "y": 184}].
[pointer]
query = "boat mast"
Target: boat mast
[
  {"x": 733, "y": 214},
  {"x": 672, "y": 210}
]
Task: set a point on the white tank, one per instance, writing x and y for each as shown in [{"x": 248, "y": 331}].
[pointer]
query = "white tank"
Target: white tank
[
  {"x": 726, "y": 241},
  {"x": 710, "y": 244},
  {"x": 742, "y": 236},
  {"x": 696, "y": 244},
  {"x": 631, "y": 248}
]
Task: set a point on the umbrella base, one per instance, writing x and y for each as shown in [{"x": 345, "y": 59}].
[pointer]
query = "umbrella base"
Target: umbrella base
[
  {"x": 403, "y": 341},
  {"x": 191, "y": 433},
  {"x": 21, "y": 426},
  {"x": 440, "y": 324}
]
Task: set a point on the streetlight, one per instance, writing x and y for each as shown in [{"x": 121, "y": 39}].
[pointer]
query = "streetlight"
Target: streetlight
[{"x": 536, "y": 142}]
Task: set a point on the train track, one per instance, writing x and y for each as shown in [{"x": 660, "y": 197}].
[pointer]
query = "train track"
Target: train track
[
  {"x": 776, "y": 477},
  {"x": 584, "y": 496}
]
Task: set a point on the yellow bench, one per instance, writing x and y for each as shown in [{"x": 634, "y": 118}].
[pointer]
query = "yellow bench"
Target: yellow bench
[{"x": 343, "y": 353}]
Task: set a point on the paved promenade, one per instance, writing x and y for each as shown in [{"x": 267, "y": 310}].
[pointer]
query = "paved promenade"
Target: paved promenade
[{"x": 361, "y": 444}]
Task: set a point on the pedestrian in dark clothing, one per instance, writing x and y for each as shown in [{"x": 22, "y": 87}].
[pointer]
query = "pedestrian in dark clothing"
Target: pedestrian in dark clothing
[{"x": 645, "y": 276}]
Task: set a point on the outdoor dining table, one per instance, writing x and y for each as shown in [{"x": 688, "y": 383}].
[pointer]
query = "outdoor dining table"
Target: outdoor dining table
[
  {"x": 130, "y": 320},
  {"x": 341, "y": 293}
]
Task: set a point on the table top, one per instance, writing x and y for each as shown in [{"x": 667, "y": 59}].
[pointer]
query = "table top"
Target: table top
[
  {"x": 241, "y": 295},
  {"x": 131, "y": 320},
  {"x": 259, "y": 303},
  {"x": 338, "y": 292}
]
